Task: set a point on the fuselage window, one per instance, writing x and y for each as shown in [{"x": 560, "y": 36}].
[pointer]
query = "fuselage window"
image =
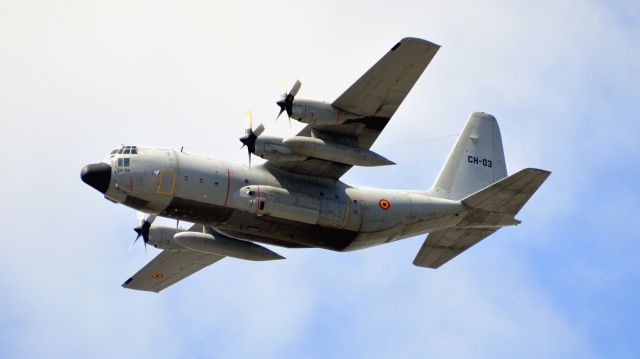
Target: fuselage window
[
  {"x": 134, "y": 150},
  {"x": 120, "y": 150},
  {"x": 127, "y": 151}
]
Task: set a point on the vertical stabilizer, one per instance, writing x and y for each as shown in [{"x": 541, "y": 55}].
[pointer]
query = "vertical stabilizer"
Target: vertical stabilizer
[{"x": 476, "y": 160}]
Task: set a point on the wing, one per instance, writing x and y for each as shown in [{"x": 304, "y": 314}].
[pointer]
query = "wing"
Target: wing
[
  {"x": 381, "y": 90},
  {"x": 375, "y": 96},
  {"x": 169, "y": 267},
  {"x": 442, "y": 246}
]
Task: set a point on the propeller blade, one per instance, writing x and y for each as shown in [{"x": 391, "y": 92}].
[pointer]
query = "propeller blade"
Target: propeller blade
[
  {"x": 248, "y": 123},
  {"x": 134, "y": 241},
  {"x": 286, "y": 103},
  {"x": 143, "y": 229},
  {"x": 250, "y": 135},
  {"x": 283, "y": 89},
  {"x": 258, "y": 131},
  {"x": 295, "y": 88}
]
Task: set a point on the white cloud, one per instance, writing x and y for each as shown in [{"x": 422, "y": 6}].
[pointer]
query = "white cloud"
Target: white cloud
[{"x": 79, "y": 77}]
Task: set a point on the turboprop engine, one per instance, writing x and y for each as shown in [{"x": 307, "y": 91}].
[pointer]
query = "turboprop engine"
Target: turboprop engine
[
  {"x": 273, "y": 148},
  {"x": 318, "y": 113},
  {"x": 217, "y": 243},
  {"x": 299, "y": 148},
  {"x": 205, "y": 239},
  {"x": 331, "y": 151}
]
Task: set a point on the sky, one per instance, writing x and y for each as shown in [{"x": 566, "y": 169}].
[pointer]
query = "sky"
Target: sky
[{"x": 80, "y": 77}]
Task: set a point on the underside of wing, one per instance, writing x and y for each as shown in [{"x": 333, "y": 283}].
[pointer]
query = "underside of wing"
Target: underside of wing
[
  {"x": 442, "y": 246},
  {"x": 169, "y": 267},
  {"x": 371, "y": 100},
  {"x": 381, "y": 90}
]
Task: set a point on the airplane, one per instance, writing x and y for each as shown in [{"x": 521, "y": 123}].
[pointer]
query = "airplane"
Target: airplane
[{"x": 295, "y": 199}]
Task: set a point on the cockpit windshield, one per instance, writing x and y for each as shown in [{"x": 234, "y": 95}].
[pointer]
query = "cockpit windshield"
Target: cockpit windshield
[{"x": 125, "y": 150}]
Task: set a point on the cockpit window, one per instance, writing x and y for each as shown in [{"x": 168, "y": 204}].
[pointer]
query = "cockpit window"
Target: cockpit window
[
  {"x": 123, "y": 162},
  {"x": 125, "y": 150}
]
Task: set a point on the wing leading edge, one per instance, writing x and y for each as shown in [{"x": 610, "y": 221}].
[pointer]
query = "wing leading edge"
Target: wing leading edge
[{"x": 375, "y": 96}]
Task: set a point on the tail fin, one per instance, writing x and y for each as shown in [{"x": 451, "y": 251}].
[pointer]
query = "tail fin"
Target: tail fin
[{"x": 476, "y": 160}]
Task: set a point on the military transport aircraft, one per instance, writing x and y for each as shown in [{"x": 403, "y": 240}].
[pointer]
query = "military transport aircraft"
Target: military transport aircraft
[{"x": 296, "y": 199}]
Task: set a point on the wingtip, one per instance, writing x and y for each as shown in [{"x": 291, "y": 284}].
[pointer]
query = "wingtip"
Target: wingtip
[
  {"x": 127, "y": 282},
  {"x": 420, "y": 40},
  {"x": 539, "y": 170}
]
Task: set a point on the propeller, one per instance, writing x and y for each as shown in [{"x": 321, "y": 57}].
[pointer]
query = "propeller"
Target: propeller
[
  {"x": 286, "y": 103},
  {"x": 143, "y": 229},
  {"x": 250, "y": 136}
]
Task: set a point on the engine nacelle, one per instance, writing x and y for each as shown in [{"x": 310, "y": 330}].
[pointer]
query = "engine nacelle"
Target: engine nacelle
[
  {"x": 336, "y": 152},
  {"x": 162, "y": 237},
  {"x": 216, "y": 243},
  {"x": 319, "y": 113},
  {"x": 272, "y": 148}
]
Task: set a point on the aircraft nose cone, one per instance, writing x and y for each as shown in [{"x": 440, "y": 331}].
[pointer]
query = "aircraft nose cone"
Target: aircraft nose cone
[{"x": 97, "y": 175}]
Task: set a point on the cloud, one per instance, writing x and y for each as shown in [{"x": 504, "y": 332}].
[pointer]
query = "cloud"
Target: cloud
[{"x": 80, "y": 77}]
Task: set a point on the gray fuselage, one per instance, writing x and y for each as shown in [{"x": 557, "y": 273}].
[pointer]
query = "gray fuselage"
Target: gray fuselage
[{"x": 264, "y": 204}]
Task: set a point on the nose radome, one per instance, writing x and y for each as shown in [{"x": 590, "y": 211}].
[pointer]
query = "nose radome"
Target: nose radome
[{"x": 97, "y": 175}]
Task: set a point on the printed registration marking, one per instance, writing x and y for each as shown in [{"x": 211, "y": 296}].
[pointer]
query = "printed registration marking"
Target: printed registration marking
[
  {"x": 384, "y": 204},
  {"x": 479, "y": 161}
]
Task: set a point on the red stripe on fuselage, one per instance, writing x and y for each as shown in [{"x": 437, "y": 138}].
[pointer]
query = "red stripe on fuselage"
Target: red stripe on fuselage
[{"x": 226, "y": 198}]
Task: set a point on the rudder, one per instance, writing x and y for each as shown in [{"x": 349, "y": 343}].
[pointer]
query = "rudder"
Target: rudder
[{"x": 476, "y": 160}]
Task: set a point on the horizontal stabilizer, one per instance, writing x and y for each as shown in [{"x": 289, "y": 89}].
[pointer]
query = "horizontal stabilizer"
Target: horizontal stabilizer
[
  {"x": 442, "y": 246},
  {"x": 510, "y": 194}
]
